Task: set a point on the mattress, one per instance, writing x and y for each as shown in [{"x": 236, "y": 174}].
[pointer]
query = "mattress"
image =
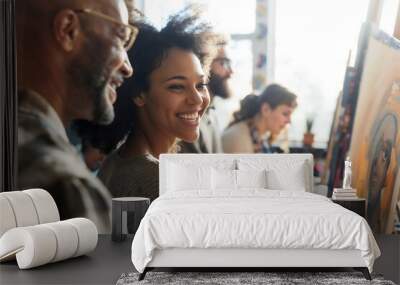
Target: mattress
[{"x": 251, "y": 219}]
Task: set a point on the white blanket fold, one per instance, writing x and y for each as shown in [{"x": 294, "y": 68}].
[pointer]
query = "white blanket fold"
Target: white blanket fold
[{"x": 252, "y": 218}]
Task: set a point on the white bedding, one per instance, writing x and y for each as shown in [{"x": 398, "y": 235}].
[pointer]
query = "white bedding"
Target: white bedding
[{"x": 252, "y": 218}]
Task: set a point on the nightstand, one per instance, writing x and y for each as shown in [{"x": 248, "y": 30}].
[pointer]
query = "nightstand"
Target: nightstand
[
  {"x": 357, "y": 205},
  {"x": 127, "y": 212}
]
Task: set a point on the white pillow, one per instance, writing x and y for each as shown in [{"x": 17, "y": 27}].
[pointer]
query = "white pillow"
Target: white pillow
[
  {"x": 289, "y": 179},
  {"x": 223, "y": 179},
  {"x": 251, "y": 178},
  {"x": 226, "y": 179},
  {"x": 283, "y": 173},
  {"x": 188, "y": 177}
]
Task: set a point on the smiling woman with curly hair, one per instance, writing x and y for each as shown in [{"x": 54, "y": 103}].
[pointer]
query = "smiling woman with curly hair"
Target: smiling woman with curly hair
[{"x": 163, "y": 101}]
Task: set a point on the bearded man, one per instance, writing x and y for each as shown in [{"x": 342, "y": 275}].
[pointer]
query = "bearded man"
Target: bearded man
[{"x": 71, "y": 58}]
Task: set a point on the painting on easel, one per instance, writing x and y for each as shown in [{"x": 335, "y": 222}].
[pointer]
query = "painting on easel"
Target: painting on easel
[
  {"x": 375, "y": 144},
  {"x": 341, "y": 131}
]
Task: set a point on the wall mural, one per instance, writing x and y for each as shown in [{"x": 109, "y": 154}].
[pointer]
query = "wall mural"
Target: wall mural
[
  {"x": 260, "y": 45},
  {"x": 375, "y": 145}
]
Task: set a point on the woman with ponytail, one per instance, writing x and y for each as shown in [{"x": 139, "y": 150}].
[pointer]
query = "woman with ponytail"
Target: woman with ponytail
[{"x": 259, "y": 120}]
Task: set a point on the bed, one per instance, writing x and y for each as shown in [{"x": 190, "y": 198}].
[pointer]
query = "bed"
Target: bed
[{"x": 246, "y": 211}]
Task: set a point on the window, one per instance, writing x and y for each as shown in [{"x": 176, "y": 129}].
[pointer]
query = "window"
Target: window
[
  {"x": 388, "y": 16},
  {"x": 313, "y": 40}
]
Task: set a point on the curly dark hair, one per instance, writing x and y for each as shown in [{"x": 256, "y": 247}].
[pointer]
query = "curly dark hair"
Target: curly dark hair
[
  {"x": 274, "y": 95},
  {"x": 183, "y": 30}
]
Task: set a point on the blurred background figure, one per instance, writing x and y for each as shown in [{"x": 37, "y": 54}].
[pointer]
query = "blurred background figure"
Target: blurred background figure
[
  {"x": 163, "y": 102},
  {"x": 220, "y": 86},
  {"x": 259, "y": 120},
  {"x": 92, "y": 156},
  {"x": 87, "y": 138},
  {"x": 210, "y": 136}
]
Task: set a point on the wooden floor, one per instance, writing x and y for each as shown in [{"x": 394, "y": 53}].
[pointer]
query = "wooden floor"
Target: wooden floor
[{"x": 389, "y": 262}]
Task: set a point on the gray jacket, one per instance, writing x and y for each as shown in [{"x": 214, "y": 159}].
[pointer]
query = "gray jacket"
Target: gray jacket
[{"x": 47, "y": 160}]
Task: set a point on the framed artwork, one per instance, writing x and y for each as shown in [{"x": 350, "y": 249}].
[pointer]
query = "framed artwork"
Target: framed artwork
[{"x": 375, "y": 144}]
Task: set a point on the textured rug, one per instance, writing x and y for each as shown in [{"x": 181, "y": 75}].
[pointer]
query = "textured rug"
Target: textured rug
[{"x": 229, "y": 278}]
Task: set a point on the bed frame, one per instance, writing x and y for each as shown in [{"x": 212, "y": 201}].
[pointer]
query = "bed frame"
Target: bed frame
[{"x": 244, "y": 259}]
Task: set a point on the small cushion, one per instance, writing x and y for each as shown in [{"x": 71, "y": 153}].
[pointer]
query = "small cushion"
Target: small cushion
[
  {"x": 182, "y": 177},
  {"x": 235, "y": 179},
  {"x": 279, "y": 180},
  {"x": 251, "y": 178},
  {"x": 223, "y": 179}
]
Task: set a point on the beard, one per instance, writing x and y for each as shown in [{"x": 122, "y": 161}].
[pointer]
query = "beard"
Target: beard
[
  {"x": 103, "y": 112},
  {"x": 90, "y": 75},
  {"x": 219, "y": 86}
]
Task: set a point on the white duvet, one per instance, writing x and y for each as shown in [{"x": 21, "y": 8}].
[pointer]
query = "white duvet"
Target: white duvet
[{"x": 252, "y": 218}]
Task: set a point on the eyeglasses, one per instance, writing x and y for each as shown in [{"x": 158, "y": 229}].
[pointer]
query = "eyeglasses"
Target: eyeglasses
[{"x": 131, "y": 32}]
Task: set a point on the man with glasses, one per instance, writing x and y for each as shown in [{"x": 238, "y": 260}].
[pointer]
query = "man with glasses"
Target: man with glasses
[
  {"x": 219, "y": 85},
  {"x": 71, "y": 59},
  {"x": 221, "y": 72}
]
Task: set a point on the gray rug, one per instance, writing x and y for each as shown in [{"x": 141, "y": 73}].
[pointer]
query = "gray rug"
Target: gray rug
[{"x": 228, "y": 278}]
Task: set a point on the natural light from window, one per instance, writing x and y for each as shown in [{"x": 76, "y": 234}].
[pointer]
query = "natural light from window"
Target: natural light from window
[
  {"x": 313, "y": 40},
  {"x": 388, "y": 17}
]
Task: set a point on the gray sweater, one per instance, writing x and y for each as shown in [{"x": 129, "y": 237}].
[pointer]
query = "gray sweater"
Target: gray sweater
[{"x": 135, "y": 176}]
